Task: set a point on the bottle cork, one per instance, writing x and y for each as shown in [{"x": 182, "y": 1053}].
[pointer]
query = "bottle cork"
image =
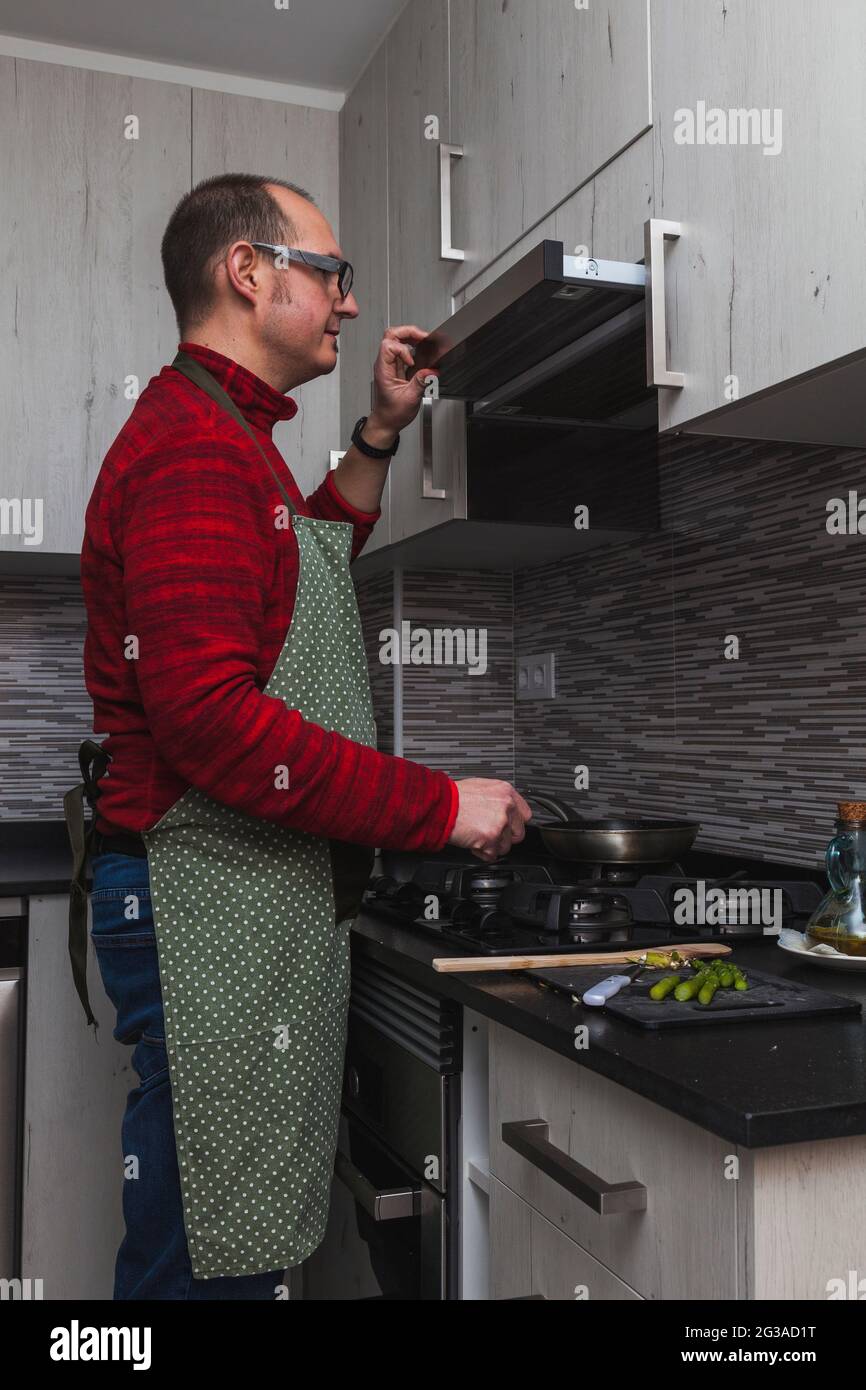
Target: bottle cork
[{"x": 852, "y": 811}]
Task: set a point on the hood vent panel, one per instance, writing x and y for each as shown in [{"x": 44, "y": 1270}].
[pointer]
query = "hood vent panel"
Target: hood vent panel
[{"x": 554, "y": 338}]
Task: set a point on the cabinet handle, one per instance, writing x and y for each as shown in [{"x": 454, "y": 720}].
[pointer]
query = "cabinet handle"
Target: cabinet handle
[
  {"x": 428, "y": 491},
  {"x": 529, "y": 1139},
  {"x": 388, "y": 1204},
  {"x": 656, "y": 233},
  {"x": 446, "y": 154}
]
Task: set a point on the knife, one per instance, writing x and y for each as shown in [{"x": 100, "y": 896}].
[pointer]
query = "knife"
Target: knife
[{"x": 606, "y": 989}]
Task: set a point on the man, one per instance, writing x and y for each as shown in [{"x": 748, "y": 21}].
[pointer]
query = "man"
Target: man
[{"x": 235, "y": 827}]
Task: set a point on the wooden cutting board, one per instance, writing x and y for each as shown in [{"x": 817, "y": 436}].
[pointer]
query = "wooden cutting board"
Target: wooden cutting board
[{"x": 457, "y": 964}]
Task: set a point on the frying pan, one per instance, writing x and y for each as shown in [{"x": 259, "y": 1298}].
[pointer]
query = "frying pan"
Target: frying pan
[{"x": 612, "y": 841}]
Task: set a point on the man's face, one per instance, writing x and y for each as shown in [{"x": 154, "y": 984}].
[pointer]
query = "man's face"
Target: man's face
[{"x": 302, "y": 311}]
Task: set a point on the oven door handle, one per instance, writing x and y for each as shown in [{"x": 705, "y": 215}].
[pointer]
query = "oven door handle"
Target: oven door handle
[{"x": 382, "y": 1204}]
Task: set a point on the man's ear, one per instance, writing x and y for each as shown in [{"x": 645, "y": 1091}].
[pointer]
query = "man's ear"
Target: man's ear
[{"x": 242, "y": 267}]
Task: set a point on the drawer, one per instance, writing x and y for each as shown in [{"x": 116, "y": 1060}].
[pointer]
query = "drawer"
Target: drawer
[
  {"x": 676, "y": 1236},
  {"x": 529, "y": 1258}
]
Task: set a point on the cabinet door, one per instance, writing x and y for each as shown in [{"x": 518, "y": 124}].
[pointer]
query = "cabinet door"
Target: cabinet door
[
  {"x": 621, "y": 1138},
  {"x": 234, "y": 134},
  {"x": 529, "y": 1258},
  {"x": 82, "y": 298},
  {"x": 364, "y": 239},
  {"x": 75, "y": 1087},
  {"x": 768, "y": 278},
  {"x": 542, "y": 95},
  {"x": 606, "y": 216},
  {"x": 421, "y": 281}
]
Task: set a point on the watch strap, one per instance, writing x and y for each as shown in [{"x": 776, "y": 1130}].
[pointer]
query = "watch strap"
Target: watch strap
[{"x": 368, "y": 449}]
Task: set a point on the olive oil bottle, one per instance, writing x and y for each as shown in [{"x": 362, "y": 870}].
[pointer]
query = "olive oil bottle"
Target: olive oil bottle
[{"x": 839, "y": 920}]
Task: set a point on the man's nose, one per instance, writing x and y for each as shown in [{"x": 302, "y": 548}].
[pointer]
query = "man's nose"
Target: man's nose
[{"x": 347, "y": 308}]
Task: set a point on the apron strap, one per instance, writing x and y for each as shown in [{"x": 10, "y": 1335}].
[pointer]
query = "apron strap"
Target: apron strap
[
  {"x": 200, "y": 376},
  {"x": 93, "y": 761}
]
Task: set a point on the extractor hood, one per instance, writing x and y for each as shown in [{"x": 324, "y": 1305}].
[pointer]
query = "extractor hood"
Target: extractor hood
[{"x": 555, "y": 338}]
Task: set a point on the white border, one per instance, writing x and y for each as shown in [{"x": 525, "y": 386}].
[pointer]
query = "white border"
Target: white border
[{"x": 66, "y": 55}]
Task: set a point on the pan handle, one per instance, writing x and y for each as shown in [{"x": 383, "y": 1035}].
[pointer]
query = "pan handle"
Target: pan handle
[{"x": 560, "y": 809}]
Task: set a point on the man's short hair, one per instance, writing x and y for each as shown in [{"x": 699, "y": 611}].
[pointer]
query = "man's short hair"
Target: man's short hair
[{"x": 217, "y": 212}]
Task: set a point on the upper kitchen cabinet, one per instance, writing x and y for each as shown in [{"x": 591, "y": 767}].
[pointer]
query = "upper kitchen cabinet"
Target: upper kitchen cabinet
[
  {"x": 86, "y": 318},
  {"x": 543, "y": 94},
  {"x": 422, "y": 280},
  {"x": 607, "y": 215},
  {"x": 760, "y": 110},
  {"x": 428, "y": 474},
  {"x": 364, "y": 239},
  {"x": 235, "y": 134}
]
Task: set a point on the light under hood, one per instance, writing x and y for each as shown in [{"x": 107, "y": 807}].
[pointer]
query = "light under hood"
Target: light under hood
[{"x": 554, "y": 338}]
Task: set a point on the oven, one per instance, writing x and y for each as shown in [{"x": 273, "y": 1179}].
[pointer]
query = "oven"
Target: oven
[{"x": 393, "y": 1225}]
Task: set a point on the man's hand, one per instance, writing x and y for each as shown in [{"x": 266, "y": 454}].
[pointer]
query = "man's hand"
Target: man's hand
[
  {"x": 491, "y": 818},
  {"x": 399, "y": 387},
  {"x": 399, "y": 391}
]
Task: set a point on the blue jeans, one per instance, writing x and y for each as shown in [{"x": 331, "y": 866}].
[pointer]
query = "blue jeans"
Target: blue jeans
[{"x": 153, "y": 1259}]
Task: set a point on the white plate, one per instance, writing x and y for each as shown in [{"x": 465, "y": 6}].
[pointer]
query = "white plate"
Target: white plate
[{"x": 826, "y": 962}]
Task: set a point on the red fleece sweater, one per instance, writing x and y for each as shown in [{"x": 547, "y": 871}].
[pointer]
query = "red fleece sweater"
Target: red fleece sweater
[{"x": 181, "y": 552}]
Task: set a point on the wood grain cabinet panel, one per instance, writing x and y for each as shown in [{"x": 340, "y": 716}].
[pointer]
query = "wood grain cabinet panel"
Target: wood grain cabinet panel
[
  {"x": 530, "y": 1258},
  {"x": 543, "y": 94},
  {"x": 364, "y": 238},
  {"x": 84, "y": 310},
  {"x": 659, "y": 1252},
  {"x": 606, "y": 216},
  {"x": 801, "y": 1225},
  {"x": 421, "y": 282},
  {"x": 768, "y": 278},
  {"x": 75, "y": 1089}
]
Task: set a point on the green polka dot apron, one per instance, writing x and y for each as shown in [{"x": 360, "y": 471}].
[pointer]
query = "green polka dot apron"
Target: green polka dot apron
[{"x": 252, "y": 927}]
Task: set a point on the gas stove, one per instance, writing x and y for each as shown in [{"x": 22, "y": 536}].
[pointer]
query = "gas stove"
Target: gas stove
[{"x": 546, "y": 908}]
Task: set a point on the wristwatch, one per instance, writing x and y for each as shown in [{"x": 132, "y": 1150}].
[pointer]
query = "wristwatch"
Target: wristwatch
[{"x": 368, "y": 449}]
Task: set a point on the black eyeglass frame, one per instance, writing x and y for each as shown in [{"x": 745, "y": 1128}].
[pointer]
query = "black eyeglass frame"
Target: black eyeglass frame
[{"x": 344, "y": 270}]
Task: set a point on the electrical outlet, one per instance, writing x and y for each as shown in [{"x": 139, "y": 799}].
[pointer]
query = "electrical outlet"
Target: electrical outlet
[{"x": 536, "y": 677}]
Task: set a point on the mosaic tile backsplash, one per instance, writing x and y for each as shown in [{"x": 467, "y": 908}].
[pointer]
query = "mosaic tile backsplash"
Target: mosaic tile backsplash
[
  {"x": 759, "y": 749},
  {"x": 375, "y": 603},
  {"x": 459, "y": 723},
  {"x": 45, "y": 711}
]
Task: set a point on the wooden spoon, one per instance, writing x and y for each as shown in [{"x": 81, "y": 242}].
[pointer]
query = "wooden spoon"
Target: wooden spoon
[{"x": 458, "y": 964}]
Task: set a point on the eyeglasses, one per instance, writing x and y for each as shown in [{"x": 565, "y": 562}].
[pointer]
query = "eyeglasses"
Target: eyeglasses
[{"x": 291, "y": 253}]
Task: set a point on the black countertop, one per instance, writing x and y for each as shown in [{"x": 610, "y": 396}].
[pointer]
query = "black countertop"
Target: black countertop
[
  {"x": 35, "y": 858},
  {"x": 756, "y": 1084}
]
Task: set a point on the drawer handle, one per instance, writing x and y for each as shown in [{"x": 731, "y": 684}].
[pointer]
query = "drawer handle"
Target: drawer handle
[
  {"x": 656, "y": 233},
  {"x": 529, "y": 1139}
]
